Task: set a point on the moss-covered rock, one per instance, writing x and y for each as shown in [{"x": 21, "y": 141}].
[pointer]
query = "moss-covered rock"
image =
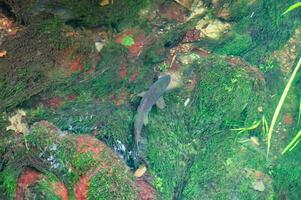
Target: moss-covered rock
[
  {"x": 182, "y": 140},
  {"x": 76, "y": 161}
]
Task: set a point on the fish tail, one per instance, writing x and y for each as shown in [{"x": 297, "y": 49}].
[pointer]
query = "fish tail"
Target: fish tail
[{"x": 138, "y": 127}]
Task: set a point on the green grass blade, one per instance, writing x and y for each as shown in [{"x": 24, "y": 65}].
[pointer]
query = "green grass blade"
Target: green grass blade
[
  {"x": 265, "y": 126},
  {"x": 292, "y": 7},
  {"x": 293, "y": 143},
  {"x": 244, "y": 129},
  {"x": 279, "y": 106},
  {"x": 299, "y": 115}
]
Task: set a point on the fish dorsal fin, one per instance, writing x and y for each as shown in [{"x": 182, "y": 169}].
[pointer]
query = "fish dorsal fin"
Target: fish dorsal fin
[{"x": 141, "y": 94}]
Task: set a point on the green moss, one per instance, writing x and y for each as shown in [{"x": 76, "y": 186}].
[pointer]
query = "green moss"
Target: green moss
[
  {"x": 25, "y": 83},
  {"x": 258, "y": 30},
  {"x": 110, "y": 183},
  {"x": 59, "y": 156},
  {"x": 117, "y": 15},
  {"x": 287, "y": 173},
  {"x": 189, "y": 139},
  {"x": 237, "y": 45},
  {"x": 240, "y": 8},
  {"x": 43, "y": 190},
  {"x": 53, "y": 28},
  {"x": 226, "y": 168},
  {"x": 36, "y": 137},
  {"x": 128, "y": 40},
  {"x": 84, "y": 162},
  {"x": 8, "y": 179}
]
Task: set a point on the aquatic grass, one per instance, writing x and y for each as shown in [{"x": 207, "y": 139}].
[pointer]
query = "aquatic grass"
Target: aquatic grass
[
  {"x": 299, "y": 115},
  {"x": 265, "y": 125},
  {"x": 245, "y": 129},
  {"x": 254, "y": 126},
  {"x": 293, "y": 143},
  {"x": 292, "y": 7},
  {"x": 279, "y": 106}
]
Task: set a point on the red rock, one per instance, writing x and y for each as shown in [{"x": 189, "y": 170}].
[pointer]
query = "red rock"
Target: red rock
[
  {"x": 146, "y": 191},
  {"x": 136, "y": 48},
  {"x": 68, "y": 63},
  {"x": 27, "y": 178},
  {"x": 172, "y": 11},
  {"x": 134, "y": 75},
  {"x": 60, "y": 190},
  {"x": 54, "y": 102},
  {"x": 81, "y": 187},
  {"x": 139, "y": 42},
  {"x": 119, "y": 38},
  {"x": 75, "y": 65},
  {"x": 86, "y": 144},
  {"x": 192, "y": 35}
]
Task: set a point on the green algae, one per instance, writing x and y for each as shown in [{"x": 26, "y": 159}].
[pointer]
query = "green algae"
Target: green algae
[
  {"x": 220, "y": 171},
  {"x": 117, "y": 15},
  {"x": 115, "y": 185},
  {"x": 8, "y": 179},
  {"x": 43, "y": 190},
  {"x": 286, "y": 175},
  {"x": 258, "y": 30},
  {"x": 128, "y": 40},
  {"x": 236, "y": 45},
  {"x": 196, "y": 157},
  {"x": 183, "y": 135},
  {"x": 84, "y": 161},
  {"x": 56, "y": 157}
]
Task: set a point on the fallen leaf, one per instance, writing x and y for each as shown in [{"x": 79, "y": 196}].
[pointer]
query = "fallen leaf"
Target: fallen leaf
[
  {"x": 99, "y": 46},
  {"x": 258, "y": 186},
  {"x": 16, "y": 123},
  {"x": 3, "y": 53},
  {"x": 140, "y": 171},
  {"x": 104, "y": 2}
]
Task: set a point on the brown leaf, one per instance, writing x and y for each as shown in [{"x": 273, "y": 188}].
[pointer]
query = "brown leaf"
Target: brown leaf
[
  {"x": 16, "y": 123},
  {"x": 140, "y": 171},
  {"x": 3, "y": 53},
  {"x": 104, "y": 2}
]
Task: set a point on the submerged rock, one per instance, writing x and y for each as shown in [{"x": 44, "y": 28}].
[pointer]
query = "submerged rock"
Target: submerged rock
[
  {"x": 288, "y": 54},
  {"x": 212, "y": 28},
  {"x": 188, "y": 138},
  {"x": 83, "y": 163}
]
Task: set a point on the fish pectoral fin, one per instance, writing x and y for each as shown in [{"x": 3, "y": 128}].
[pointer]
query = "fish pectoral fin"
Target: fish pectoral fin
[
  {"x": 161, "y": 103},
  {"x": 141, "y": 94},
  {"x": 145, "y": 120}
]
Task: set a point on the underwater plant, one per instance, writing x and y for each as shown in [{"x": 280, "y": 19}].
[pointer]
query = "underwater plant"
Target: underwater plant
[
  {"x": 280, "y": 103},
  {"x": 292, "y": 7},
  {"x": 296, "y": 139},
  {"x": 128, "y": 40}
]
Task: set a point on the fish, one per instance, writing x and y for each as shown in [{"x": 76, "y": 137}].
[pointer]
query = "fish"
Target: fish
[{"x": 152, "y": 96}]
